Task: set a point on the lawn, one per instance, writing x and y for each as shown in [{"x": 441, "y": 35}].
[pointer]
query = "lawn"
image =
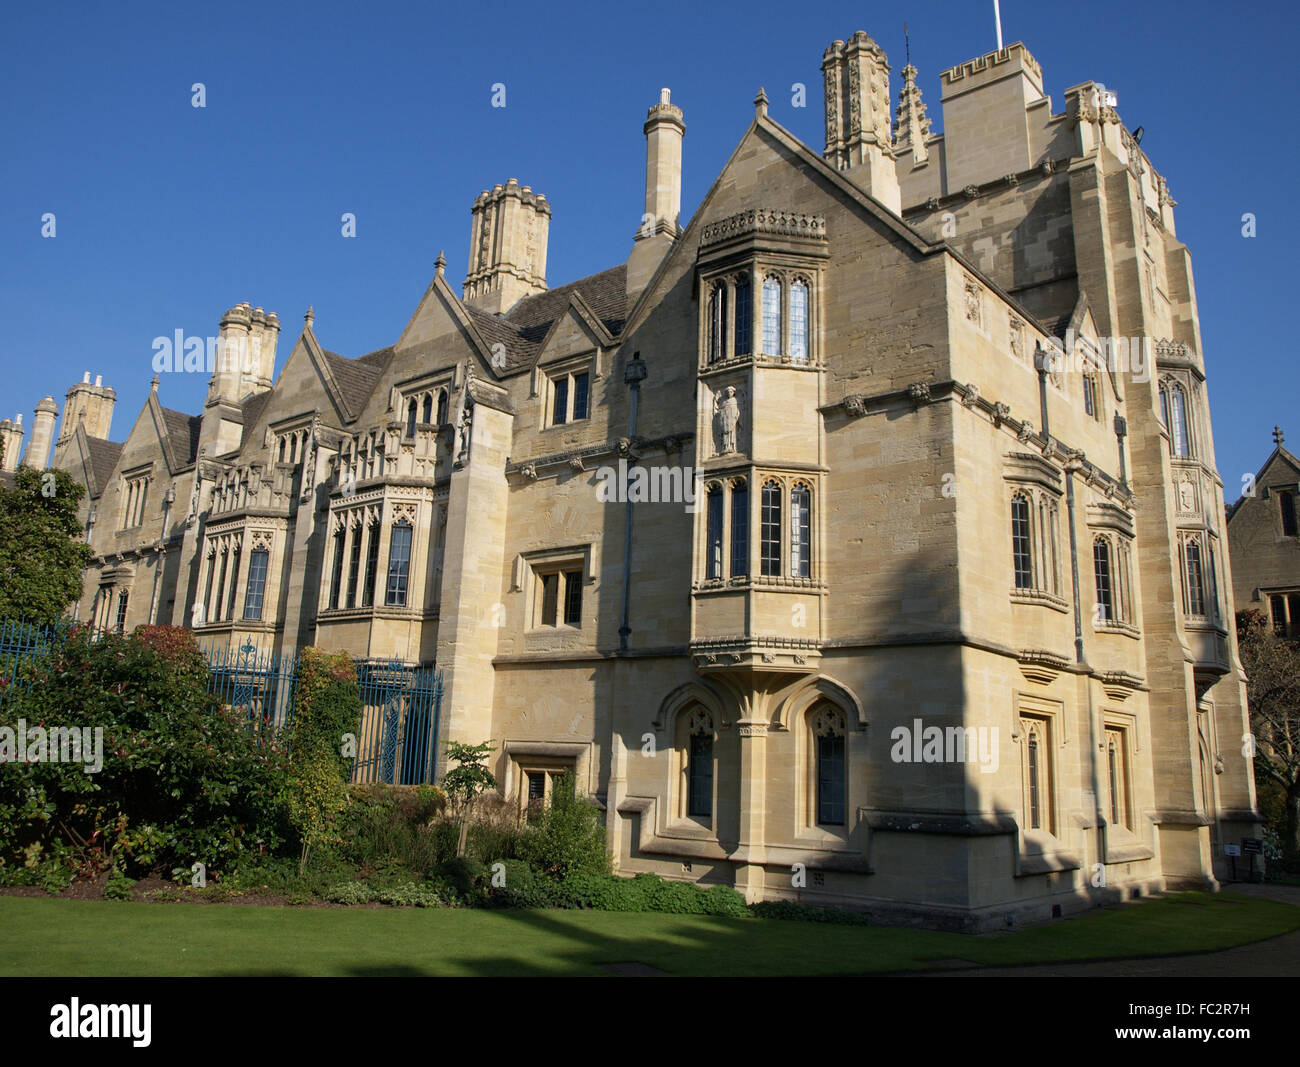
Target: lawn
[{"x": 48, "y": 937}]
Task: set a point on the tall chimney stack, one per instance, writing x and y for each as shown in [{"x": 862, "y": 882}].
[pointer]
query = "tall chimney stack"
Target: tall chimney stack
[
  {"x": 661, "y": 221},
  {"x": 11, "y": 443},
  {"x": 38, "y": 448}
]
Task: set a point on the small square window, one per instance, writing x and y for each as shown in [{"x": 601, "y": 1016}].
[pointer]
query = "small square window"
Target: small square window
[
  {"x": 570, "y": 397},
  {"x": 558, "y": 596}
]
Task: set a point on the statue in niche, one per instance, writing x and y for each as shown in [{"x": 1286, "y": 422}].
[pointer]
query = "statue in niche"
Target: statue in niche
[
  {"x": 1186, "y": 495},
  {"x": 726, "y": 408},
  {"x": 464, "y": 431}
]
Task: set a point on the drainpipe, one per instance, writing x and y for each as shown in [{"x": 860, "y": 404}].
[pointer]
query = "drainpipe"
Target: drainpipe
[
  {"x": 1043, "y": 361},
  {"x": 1121, "y": 431},
  {"x": 1071, "y": 465},
  {"x": 633, "y": 374}
]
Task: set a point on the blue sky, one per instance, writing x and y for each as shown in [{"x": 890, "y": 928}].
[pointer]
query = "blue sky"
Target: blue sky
[{"x": 167, "y": 214}]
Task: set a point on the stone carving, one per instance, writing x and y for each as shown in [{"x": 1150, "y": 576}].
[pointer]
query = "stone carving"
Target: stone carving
[
  {"x": 309, "y": 459},
  {"x": 727, "y": 415},
  {"x": 855, "y": 404},
  {"x": 1000, "y": 413},
  {"x": 765, "y": 220},
  {"x": 1017, "y": 338},
  {"x": 973, "y": 301},
  {"x": 1186, "y": 495},
  {"x": 464, "y": 429},
  {"x": 919, "y": 392},
  {"x": 971, "y": 397},
  {"x": 529, "y": 471},
  {"x": 971, "y": 191},
  {"x": 1026, "y": 431},
  {"x": 575, "y": 464},
  {"x": 932, "y": 204}
]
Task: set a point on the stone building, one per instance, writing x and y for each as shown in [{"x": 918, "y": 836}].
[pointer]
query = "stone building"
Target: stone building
[
  {"x": 1264, "y": 541},
  {"x": 840, "y": 541}
]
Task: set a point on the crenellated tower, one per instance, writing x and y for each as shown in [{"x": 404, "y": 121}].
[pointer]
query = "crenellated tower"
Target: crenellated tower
[{"x": 507, "y": 250}]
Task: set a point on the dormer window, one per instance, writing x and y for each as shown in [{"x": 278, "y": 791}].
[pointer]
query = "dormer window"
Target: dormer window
[{"x": 570, "y": 395}]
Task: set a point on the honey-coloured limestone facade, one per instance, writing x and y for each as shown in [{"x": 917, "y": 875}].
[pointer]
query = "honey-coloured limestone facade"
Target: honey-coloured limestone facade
[{"x": 841, "y": 542}]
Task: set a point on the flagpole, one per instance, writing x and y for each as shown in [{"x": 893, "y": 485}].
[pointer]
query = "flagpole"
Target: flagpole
[{"x": 997, "y": 16}]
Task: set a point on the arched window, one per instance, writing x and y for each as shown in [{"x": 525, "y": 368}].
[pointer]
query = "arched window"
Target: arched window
[
  {"x": 221, "y": 586},
  {"x": 827, "y": 726},
  {"x": 718, "y": 323},
  {"x": 799, "y": 322},
  {"x": 1048, "y": 557},
  {"x": 1034, "y": 778},
  {"x": 770, "y": 529},
  {"x": 234, "y": 581},
  {"x": 1173, "y": 409},
  {"x": 1090, "y": 395},
  {"x": 1021, "y": 542},
  {"x": 410, "y": 417},
  {"x": 282, "y": 444},
  {"x": 427, "y": 415},
  {"x": 739, "y": 528},
  {"x": 800, "y": 531},
  {"x": 442, "y": 407},
  {"x": 255, "y": 591},
  {"x": 713, "y": 562},
  {"x": 399, "y": 564},
  {"x": 336, "y": 572},
  {"x": 699, "y": 765},
  {"x": 1102, "y": 574},
  {"x": 772, "y": 316},
  {"x": 1195, "y": 578},
  {"x": 744, "y": 316}
]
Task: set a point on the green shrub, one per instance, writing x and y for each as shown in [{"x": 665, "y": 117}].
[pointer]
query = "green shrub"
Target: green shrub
[
  {"x": 465, "y": 875},
  {"x": 383, "y": 824},
  {"x": 119, "y": 886},
  {"x": 521, "y": 886},
  {"x": 180, "y": 781},
  {"x": 349, "y": 893},
  {"x": 566, "y": 837},
  {"x": 495, "y": 830},
  {"x": 412, "y": 895}
]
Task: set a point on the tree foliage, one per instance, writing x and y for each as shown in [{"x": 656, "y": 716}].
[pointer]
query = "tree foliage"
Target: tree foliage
[
  {"x": 42, "y": 547},
  {"x": 1272, "y": 665}
]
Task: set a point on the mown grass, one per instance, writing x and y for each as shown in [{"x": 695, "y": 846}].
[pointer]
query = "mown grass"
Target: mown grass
[{"x": 94, "y": 938}]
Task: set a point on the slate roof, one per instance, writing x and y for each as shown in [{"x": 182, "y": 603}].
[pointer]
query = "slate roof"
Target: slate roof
[
  {"x": 183, "y": 433},
  {"x": 103, "y": 458},
  {"x": 253, "y": 406},
  {"x": 358, "y": 377},
  {"x": 526, "y": 325}
]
